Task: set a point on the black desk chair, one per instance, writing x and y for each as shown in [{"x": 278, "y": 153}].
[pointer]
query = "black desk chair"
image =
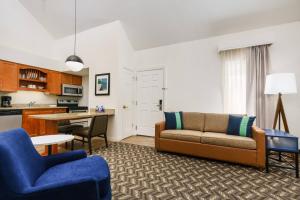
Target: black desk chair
[
  {"x": 67, "y": 128},
  {"x": 98, "y": 128}
]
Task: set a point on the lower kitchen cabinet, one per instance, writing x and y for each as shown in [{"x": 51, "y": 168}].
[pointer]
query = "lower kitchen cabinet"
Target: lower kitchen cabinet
[{"x": 35, "y": 127}]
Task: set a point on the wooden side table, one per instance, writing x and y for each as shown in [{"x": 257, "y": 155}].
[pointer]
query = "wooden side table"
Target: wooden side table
[
  {"x": 49, "y": 140},
  {"x": 282, "y": 142}
]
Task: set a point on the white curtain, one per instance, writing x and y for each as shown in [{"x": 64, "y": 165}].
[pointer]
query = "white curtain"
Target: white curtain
[
  {"x": 244, "y": 73},
  {"x": 234, "y": 66}
]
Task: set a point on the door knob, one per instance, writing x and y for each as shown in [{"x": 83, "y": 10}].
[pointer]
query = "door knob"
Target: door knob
[{"x": 125, "y": 107}]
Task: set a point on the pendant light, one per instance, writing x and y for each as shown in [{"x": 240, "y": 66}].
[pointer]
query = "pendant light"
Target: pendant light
[{"x": 74, "y": 62}]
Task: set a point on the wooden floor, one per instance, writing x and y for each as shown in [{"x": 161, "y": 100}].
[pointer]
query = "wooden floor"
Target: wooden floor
[{"x": 139, "y": 140}]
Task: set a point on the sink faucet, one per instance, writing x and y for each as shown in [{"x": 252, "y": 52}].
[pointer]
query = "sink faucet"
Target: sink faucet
[{"x": 31, "y": 103}]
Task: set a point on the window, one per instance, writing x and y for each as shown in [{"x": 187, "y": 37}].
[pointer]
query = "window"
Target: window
[{"x": 234, "y": 64}]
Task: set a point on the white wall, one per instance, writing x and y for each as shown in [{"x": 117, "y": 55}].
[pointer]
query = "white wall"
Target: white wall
[
  {"x": 23, "y": 39},
  {"x": 194, "y": 68},
  {"x": 99, "y": 48},
  {"x": 84, "y": 101},
  {"x": 193, "y": 77}
]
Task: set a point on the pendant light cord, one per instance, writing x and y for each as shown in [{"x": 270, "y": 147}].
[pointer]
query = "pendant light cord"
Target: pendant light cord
[{"x": 75, "y": 27}]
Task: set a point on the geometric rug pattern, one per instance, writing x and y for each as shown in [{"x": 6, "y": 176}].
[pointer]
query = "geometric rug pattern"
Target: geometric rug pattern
[{"x": 139, "y": 172}]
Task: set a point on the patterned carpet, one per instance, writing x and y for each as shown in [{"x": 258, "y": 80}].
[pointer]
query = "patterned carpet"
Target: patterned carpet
[{"x": 139, "y": 172}]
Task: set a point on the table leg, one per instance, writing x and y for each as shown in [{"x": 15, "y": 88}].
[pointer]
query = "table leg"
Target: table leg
[
  {"x": 279, "y": 156},
  {"x": 267, "y": 154},
  {"x": 49, "y": 150},
  {"x": 50, "y": 128},
  {"x": 267, "y": 161},
  {"x": 297, "y": 164}
]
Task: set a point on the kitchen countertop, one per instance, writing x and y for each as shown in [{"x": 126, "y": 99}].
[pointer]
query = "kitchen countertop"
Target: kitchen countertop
[
  {"x": 72, "y": 116},
  {"x": 25, "y": 107}
]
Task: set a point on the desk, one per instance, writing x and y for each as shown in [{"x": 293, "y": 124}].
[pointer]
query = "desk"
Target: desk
[{"x": 49, "y": 121}]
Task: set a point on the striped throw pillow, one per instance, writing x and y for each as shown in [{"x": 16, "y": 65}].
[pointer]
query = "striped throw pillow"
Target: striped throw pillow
[
  {"x": 240, "y": 125},
  {"x": 173, "y": 120}
]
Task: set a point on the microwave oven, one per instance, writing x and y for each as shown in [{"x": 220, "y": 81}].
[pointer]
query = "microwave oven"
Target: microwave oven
[{"x": 72, "y": 90}]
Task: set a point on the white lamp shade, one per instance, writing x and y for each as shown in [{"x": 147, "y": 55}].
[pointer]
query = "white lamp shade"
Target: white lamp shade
[{"x": 284, "y": 83}]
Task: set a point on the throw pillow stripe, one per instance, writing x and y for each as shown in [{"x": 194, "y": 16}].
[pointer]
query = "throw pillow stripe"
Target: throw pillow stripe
[
  {"x": 244, "y": 126},
  {"x": 178, "y": 120}
]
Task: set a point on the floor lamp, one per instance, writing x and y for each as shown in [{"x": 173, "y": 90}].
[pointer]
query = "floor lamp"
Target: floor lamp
[{"x": 279, "y": 84}]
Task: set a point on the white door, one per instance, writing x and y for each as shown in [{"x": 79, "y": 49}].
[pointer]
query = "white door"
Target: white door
[
  {"x": 127, "y": 90},
  {"x": 149, "y": 100}
]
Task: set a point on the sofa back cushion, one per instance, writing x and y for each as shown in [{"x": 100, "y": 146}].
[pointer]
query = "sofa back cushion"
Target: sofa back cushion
[
  {"x": 193, "y": 121},
  {"x": 216, "y": 122}
]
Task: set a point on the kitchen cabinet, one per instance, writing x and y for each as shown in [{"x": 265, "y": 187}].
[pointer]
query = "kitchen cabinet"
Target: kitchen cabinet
[
  {"x": 66, "y": 78},
  {"x": 36, "y": 127},
  {"x": 71, "y": 79},
  {"x": 76, "y": 80},
  {"x": 8, "y": 76},
  {"x": 54, "y": 82},
  {"x": 32, "y": 78},
  {"x": 14, "y": 77}
]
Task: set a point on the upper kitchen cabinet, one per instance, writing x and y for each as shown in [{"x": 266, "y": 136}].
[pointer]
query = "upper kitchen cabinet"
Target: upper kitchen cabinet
[
  {"x": 14, "y": 77},
  {"x": 66, "y": 78},
  {"x": 8, "y": 76},
  {"x": 33, "y": 78},
  {"x": 71, "y": 79},
  {"x": 76, "y": 80},
  {"x": 54, "y": 82}
]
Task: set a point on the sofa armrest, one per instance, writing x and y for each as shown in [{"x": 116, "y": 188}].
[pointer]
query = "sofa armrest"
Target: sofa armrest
[
  {"x": 159, "y": 127},
  {"x": 259, "y": 136}
]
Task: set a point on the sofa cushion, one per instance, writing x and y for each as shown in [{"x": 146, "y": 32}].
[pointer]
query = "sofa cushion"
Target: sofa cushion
[
  {"x": 185, "y": 135},
  {"x": 173, "y": 120},
  {"x": 221, "y": 139},
  {"x": 216, "y": 122},
  {"x": 193, "y": 121},
  {"x": 240, "y": 125}
]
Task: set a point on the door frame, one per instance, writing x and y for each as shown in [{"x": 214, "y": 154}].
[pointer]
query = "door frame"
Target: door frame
[
  {"x": 134, "y": 105},
  {"x": 136, "y": 90}
]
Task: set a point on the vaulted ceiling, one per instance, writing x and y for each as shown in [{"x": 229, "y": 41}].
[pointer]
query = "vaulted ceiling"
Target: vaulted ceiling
[{"x": 151, "y": 23}]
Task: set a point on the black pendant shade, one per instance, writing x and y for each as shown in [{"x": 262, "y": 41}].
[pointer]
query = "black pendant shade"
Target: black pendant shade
[
  {"x": 74, "y": 63},
  {"x": 74, "y": 58}
]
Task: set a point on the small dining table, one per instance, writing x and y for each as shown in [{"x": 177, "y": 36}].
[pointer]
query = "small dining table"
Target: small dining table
[{"x": 49, "y": 140}]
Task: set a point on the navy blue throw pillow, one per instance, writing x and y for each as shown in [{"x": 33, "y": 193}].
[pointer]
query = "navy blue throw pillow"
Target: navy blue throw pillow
[
  {"x": 240, "y": 125},
  {"x": 173, "y": 120}
]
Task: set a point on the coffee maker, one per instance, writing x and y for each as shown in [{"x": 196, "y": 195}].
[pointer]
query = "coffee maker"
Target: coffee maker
[{"x": 5, "y": 101}]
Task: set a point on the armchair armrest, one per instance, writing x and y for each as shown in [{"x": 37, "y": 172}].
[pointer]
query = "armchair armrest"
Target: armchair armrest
[
  {"x": 64, "y": 157},
  {"x": 259, "y": 136},
  {"x": 159, "y": 127}
]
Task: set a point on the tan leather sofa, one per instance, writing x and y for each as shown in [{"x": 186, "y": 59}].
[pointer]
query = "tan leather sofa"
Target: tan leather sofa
[{"x": 204, "y": 135}]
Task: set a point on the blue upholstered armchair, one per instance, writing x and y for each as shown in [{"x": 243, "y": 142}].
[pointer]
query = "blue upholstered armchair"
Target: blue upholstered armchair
[{"x": 26, "y": 175}]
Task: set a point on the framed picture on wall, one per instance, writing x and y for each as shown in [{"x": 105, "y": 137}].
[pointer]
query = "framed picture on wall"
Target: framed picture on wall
[{"x": 102, "y": 84}]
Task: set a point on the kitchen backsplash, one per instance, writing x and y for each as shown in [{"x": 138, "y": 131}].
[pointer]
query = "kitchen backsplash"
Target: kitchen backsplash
[{"x": 24, "y": 97}]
